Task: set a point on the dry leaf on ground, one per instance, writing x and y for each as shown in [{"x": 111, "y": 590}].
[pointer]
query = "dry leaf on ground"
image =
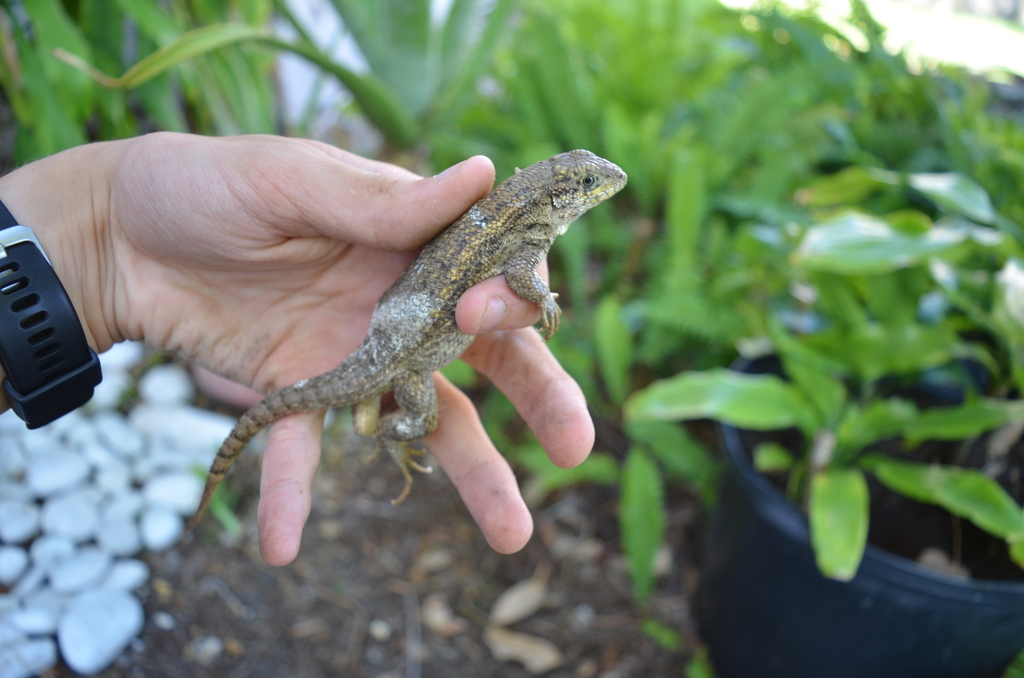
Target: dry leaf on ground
[{"x": 536, "y": 654}]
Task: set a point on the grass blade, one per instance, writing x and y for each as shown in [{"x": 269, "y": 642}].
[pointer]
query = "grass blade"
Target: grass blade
[{"x": 641, "y": 519}]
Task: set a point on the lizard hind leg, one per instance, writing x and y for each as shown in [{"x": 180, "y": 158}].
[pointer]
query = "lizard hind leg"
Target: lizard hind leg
[
  {"x": 366, "y": 416},
  {"x": 416, "y": 417},
  {"x": 403, "y": 453}
]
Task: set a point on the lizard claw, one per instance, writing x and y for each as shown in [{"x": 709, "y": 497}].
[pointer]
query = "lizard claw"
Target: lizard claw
[
  {"x": 403, "y": 456},
  {"x": 550, "y": 314}
]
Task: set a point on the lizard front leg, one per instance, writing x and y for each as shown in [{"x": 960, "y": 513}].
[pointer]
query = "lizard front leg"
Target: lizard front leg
[
  {"x": 521, "y": 275},
  {"x": 416, "y": 417}
]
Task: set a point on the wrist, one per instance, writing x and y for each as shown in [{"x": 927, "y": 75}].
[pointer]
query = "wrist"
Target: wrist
[{"x": 64, "y": 199}]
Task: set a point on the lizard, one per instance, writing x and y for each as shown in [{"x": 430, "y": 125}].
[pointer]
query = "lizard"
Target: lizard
[{"x": 412, "y": 329}]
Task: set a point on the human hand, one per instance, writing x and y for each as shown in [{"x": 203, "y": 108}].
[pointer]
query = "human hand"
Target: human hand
[{"x": 261, "y": 258}]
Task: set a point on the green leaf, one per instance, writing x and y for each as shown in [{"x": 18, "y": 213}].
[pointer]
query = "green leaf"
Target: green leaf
[
  {"x": 963, "y": 492},
  {"x": 957, "y": 193},
  {"x": 667, "y": 637},
  {"x": 761, "y": 402},
  {"x": 827, "y": 393},
  {"x": 53, "y": 29},
  {"x": 846, "y": 187},
  {"x": 222, "y": 503},
  {"x": 878, "y": 420},
  {"x": 770, "y": 457},
  {"x": 680, "y": 455},
  {"x": 377, "y": 101},
  {"x": 894, "y": 298},
  {"x": 1017, "y": 556},
  {"x": 909, "y": 479},
  {"x": 614, "y": 343},
  {"x": 600, "y": 468},
  {"x": 459, "y": 78},
  {"x": 874, "y": 350},
  {"x": 190, "y": 45},
  {"x": 44, "y": 119},
  {"x": 909, "y": 221},
  {"x": 963, "y": 421},
  {"x": 455, "y": 37},
  {"x": 686, "y": 205},
  {"x": 860, "y": 244},
  {"x": 838, "y": 515},
  {"x": 700, "y": 665},
  {"x": 460, "y": 374},
  {"x": 152, "y": 20},
  {"x": 641, "y": 520},
  {"x": 981, "y": 500}
]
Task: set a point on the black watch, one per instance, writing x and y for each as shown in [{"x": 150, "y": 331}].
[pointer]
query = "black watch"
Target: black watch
[{"x": 50, "y": 367}]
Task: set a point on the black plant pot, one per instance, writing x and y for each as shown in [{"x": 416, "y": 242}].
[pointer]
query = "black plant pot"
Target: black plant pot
[{"x": 765, "y": 610}]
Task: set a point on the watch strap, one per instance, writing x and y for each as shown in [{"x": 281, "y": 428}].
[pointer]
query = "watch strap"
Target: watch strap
[
  {"x": 50, "y": 368},
  {"x": 6, "y": 218}
]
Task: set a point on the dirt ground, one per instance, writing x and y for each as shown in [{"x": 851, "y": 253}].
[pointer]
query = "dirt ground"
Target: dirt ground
[{"x": 382, "y": 591}]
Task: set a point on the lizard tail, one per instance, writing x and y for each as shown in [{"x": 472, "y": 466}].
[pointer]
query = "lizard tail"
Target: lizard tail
[{"x": 308, "y": 396}]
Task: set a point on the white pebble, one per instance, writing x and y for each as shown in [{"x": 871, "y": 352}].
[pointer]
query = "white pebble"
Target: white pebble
[
  {"x": 127, "y": 574},
  {"x": 98, "y": 454},
  {"x": 86, "y": 568},
  {"x": 380, "y": 630},
  {"x": 189, "y": 428},
  {"x": 12, "y": 459},
  {"x": 18, "y": 521},
  {"x": 163, "y": 621},
  {"x": 39, "y": 441},
  {"x": 15, "y": 492},
  {"x": 179, "y": 492},
  {"x": 51, "y": 548},
  {"x": 34, "y": 620},
  {"x": 161, "y": 460},
  {"x": 119, "y": 536},
  {"x": 73, "y": 515},
  {"x": 30, "y": 582},
  {"x": 27, "y": 658},
  {"x": 9, "y": 633},
  {"x": 113, "y": 476},
  {"x": 60, "y": 427},
  {"x": 204, "y": 649},
  {"x": 121, "y": 356},
  {"x": 55, "y": 471},
  {"x": 47, "y": 599},
  {"x": 123, "y": 439},
  {"x": 165, "y": 385},
  {"x": 124, "y": 504},
  {"x": 161, "y": 529},
  {"x": 108, "y": 393},
  {"x": 13, "y": 561},
  {"x": 75, "y": 429},
  {"x": 8, "y": 603},
  {"x": 96, "y": 627},
  {"x": 11, "y": 423}
]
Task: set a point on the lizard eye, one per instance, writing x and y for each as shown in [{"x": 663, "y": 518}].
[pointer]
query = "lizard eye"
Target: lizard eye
[{"x": 588, "y": 180}]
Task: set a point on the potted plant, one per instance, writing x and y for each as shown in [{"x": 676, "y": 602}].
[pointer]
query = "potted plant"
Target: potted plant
[{"x": 877, "y": 404}]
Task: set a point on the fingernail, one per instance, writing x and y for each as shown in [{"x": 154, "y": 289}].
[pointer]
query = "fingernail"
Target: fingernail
[
  {"x": 494, "y": 314},
  {"x": 450, "y": 171}
]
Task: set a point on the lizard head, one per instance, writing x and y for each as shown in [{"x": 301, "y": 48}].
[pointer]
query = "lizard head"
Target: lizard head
[{"x": 581, "y": 180}]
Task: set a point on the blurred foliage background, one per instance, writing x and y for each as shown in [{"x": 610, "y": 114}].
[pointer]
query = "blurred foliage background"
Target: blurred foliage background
[{"x": 719, "y": 116}]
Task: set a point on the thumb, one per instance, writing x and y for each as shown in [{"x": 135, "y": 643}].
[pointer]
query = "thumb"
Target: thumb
[
  {"x": 411, "y": 213},
  {"x": 379, "y": 205}
]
